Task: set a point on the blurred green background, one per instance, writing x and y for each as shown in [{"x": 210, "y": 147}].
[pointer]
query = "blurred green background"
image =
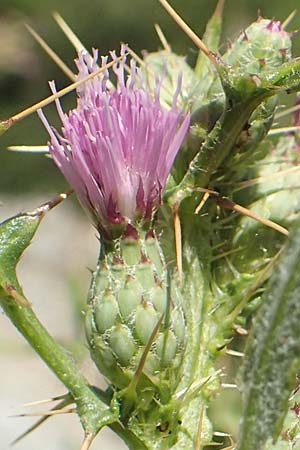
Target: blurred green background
[{"x": 25, "y": 69}]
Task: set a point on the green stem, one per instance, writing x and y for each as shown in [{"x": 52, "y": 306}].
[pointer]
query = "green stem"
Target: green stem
[{"x": 92, "y": 411}]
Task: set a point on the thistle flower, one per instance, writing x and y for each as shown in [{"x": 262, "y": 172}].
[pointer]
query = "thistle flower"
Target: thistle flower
[{"x": 118, "y": 145}]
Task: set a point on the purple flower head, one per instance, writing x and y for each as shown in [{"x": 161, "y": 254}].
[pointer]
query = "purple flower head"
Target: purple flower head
[{"x": 118, "y": 145}]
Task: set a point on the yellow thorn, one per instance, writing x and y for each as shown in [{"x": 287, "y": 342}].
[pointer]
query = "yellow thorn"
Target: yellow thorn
[
  {"x": 88, "y": 439},
  {"x": 187, "y": 394},
  {"x": 178, "y": 242},
  {"x": 287, "y": 111},
  {"x": 52, "y": 412},
  {"x": 26, "y": 112},
  {"x": 219, "y": 8},
  {"x": 135, "y": 56},
  {"x": 224, "y": 254},
  {"x": 48, "y": 400},
  {"x": 226, "y": 203},
  {"x": 202, "y": 203},
  {"x": 199, "y": 430},
  {"x": 132, "y": 385},
  {"x": 188, "y": 31},
  {"x": 262, "y": 220},
  {"x": 240, "y": 330},
  {"x": 229, "y": 386},
  {"x": 231, "y": 446},
  {"x": 29, "y": 148},
  {"x": 205, "y": 197},
  {"x": 14, "y": 294},
  {"x": 248, "y": 183},
  {"x": 220, "y": 434},
  {"x": 214, "y": 444},
  {"x": 231, "y": 352},
  {"x": 78, "y": 45},
  {"x": 283, "y": 130},
  {"x": 51, "y": 53},
  {"x": 289, "y": 19},
  {"x": 45, "y": 207},
  {"x": 66, "y": 401},
  {"x": 162, "y": 38}
]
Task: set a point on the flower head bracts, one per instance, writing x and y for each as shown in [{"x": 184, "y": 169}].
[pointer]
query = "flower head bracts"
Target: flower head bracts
[
  {"x": 275, "y": 26},
  {"x": 118, "y": 146}
]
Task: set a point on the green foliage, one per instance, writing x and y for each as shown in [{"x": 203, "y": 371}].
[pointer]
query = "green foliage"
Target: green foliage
[{"x": 273, "y": 351}]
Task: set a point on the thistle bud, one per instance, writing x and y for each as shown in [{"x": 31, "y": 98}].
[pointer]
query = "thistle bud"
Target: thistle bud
[
  {"x": 263, "y": 46},
  {"x": 130, "y": 296}
]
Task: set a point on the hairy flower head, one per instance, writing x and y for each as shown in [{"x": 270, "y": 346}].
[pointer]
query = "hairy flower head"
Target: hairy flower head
[{"x": 117, "y": 147}]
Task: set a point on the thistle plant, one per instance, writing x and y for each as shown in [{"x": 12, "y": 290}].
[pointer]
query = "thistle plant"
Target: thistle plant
[{"x": 195, "y": 200}]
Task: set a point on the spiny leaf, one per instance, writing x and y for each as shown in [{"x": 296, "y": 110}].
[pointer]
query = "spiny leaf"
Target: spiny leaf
[
  {"x": 15, "y": 235},
  {"x": 273, "y": 352}
]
